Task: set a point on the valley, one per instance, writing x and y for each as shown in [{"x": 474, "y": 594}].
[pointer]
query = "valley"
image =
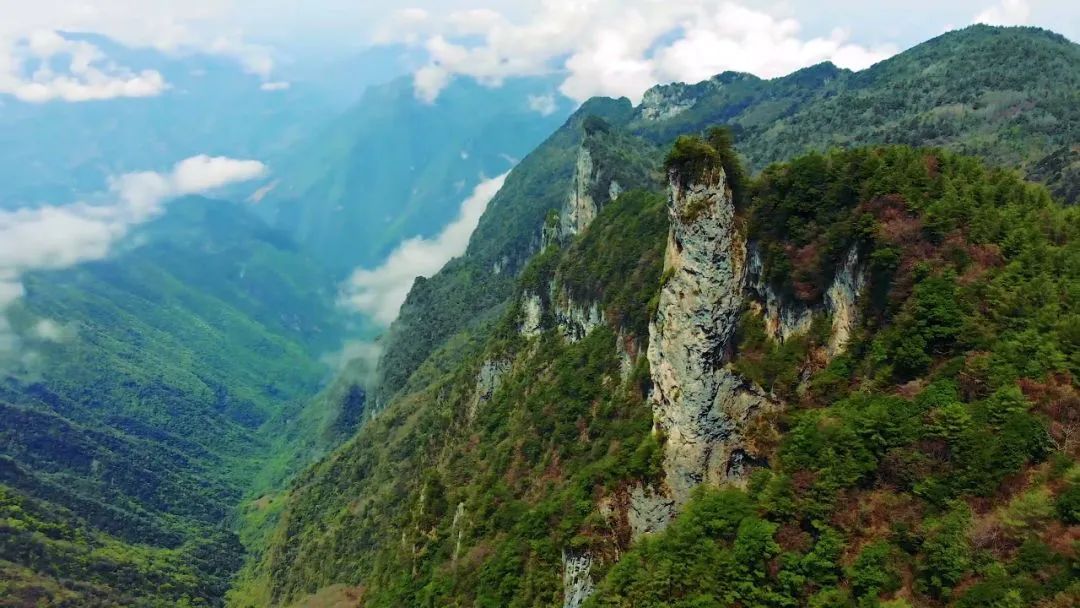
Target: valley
[{"x": 810, "y": 340}]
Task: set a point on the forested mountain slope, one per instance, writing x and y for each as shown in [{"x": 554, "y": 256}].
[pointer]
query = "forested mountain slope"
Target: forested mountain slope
[
  {"x": 849, "y": 379},
  {"x": 1008, "y": 95},
  {"x": 875, "y": 355},
  {"x": 1019, "y": 113},
  {"x": 146, "y": 403}
]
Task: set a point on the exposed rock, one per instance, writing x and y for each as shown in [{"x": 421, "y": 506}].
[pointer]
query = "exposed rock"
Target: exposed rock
[
  {"x": 783, "y": 319},
  {"x": 614, "y": 190},
  {"x": 532, "y": 310},
  {"x": 627, "y": 349},
  {"x": 488, "y": 379},
  {"x": 700, "y": 405},
  {"x": 457, "y": 526},
  {"x": 666, "y": 101},
  {"x": 577, "y": 584},
  {"x": 841, "y": 299},
  {"x": 573, "y": 320},
  {"x": 580, "y": 208},
  {"x": 649, "y": 511},
  {"x": 590, "y": 182},
  {"x": 576, "y": 321}
]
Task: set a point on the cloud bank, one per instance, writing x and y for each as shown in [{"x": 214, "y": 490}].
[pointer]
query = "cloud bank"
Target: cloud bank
[
  {"x": 616, "y": 48},
  {"x": 380, "y": 292},
  {"x": 45, "y": 66},
  {"x": 55, "y": 237}
]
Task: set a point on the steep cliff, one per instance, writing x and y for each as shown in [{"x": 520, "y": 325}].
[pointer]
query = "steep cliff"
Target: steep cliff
[{"x": 699, "y": 404}]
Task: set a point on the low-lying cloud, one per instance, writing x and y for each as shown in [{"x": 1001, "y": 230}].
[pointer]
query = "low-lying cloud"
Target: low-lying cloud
[
  {"x": 45, "y": 66},
  {"x": 380, "y": 292},
  {"x": 56, "y": 237}
]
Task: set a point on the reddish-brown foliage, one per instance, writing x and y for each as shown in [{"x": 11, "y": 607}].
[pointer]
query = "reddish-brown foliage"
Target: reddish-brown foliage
[
  {"x": 806, "y": 271},
  {"x": 1058, "y": 400},
  {"x": 933, "y": 165},
  {"x": 791, "y": 537}
]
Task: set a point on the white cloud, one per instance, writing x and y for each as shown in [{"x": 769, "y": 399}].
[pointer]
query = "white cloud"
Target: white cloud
[
  {"x": 356, "y": 350},
  {"x": 48, "y": 330},
  {"x": 54, "y": 237},
  {"x": 1006, "y": 12},
  {"x": 619, "y": 48},
  {"x": 379, "y": 292},
  {"x": 277, "y": 85},
  {"x": 407, "y": 26},
  {"x": 545, "y": 105},
  {"x": 31, "y": 45},
  {"x": 204, "y": 173},
  {"x": 27, "y": 71}
]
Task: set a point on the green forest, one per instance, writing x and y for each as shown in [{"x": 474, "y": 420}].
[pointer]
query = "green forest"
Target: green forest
[{"x": 933, "y": 462}]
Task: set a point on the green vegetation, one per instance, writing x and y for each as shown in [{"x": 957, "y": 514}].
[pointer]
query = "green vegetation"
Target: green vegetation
[
  {"x": 932, "y": 474},
  {"x": 132, "y": 433},
  {"x": 565, "y": 413},
  {"x": 943, "y": 495},
  {"x": 1007, "y": 95},
  {"x": 51, "y": 558},
  {"x": 695, "y": 159},
  {"x": 617, "y": 261},
  {"x": 775, "y": 366},
  {"x": 932, "y": 463},
  {"x": 392, "y": 166}
]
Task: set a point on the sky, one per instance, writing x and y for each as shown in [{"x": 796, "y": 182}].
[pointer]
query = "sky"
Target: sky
[{"x": 606, "y": 47}]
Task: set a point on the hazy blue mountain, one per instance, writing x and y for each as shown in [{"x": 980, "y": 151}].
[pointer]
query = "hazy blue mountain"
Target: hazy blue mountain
[
  {"x": 393, "y": 167},
  {"x": 58, "y": 151}
]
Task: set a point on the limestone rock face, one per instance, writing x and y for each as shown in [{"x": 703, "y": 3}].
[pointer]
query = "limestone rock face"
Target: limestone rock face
[
  {"x": 575, "y": 320},
  {"x": 580, "y": 208},
  {"x": 488, "y": 379},
  {"x": 648, "y": 511},
  {"x": 666, "y": 101},
  {"x": 699, "y": 405},
  {"x": 841, "y": 299},
  {"x": 783, "y": 319},
  {"x": 577, "y": 582},
  {"x": 532, "y": 311},
  {"x": 591, "y": 187}
]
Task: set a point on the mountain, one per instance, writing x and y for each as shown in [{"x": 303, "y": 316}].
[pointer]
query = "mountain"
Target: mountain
[
  {"x": 655, "y": 379},
  {"x": 58, "y": 151},
  {"x": 150, "y": 397},
  {"x": 946, "y": 92},
  {"x": 393, "y": 167},
  {"x": 1005, "y": 94}
]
